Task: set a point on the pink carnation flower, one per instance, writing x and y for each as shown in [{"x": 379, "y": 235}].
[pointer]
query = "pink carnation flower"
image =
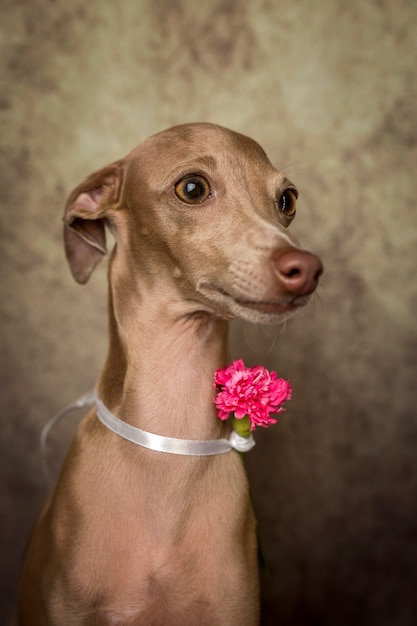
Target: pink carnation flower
[{"x": 251, "y": 391}]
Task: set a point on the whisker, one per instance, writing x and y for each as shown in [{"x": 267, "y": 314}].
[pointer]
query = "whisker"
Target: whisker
[
  {"x": 247, "y": 327},
  {"x": 290, "y": 168}
]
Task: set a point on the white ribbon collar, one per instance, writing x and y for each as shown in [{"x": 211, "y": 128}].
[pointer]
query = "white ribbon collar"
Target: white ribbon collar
[{"x": 158, "y": 443}]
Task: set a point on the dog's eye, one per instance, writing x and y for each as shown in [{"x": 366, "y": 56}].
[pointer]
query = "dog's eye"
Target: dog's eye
[
  {"x": 287, "y": 201},
  {"x": 193, "y": 189}
]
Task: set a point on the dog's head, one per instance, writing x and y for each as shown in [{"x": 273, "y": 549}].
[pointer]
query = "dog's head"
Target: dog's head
[{"x": 203, "y": 207}]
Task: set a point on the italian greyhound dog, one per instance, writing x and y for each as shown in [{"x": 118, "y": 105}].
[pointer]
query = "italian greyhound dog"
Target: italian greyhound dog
[{"x": 137, "y": 536}]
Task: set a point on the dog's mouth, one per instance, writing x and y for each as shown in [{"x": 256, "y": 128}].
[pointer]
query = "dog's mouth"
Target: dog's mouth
[
  {"x": 283, "y": 306},
  {"x": 275, "y": 306}
]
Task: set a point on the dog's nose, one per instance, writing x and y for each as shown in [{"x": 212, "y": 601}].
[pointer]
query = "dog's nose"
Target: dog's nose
[{"x": 298, "y": 271}]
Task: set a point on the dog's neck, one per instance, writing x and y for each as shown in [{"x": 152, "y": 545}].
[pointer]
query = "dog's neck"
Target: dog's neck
[{"x": 161, "y": 363}]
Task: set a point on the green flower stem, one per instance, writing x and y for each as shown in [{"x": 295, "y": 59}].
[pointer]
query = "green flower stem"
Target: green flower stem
[{"x": 242, "y": 426}]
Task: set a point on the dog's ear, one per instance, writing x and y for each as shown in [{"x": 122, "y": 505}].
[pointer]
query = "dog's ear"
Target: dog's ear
[{"x": 86, "y": 212}]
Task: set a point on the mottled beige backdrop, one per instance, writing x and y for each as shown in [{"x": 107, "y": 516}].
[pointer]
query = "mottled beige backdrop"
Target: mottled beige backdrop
[{"x": 329, "y": 89}]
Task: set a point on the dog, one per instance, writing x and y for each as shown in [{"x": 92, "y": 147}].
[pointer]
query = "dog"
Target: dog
[{"x": 131, "y": 535}]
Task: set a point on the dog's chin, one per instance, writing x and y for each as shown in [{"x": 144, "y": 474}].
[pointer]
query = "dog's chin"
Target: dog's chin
[{"x": 255, "y": 311}]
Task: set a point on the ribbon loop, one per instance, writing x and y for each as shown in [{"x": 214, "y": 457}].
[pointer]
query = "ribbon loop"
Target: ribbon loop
[
  {"x": 158, "y": 443},
  {"x": 241, "y": 444}
]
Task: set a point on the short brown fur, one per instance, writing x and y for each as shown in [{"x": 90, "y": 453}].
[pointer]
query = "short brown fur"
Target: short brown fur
[{"x": 131, "y": 536}]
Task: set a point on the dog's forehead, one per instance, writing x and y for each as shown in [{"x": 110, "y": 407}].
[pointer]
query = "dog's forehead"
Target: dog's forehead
[
  {"x": 199, "y": 145},
  {"x": 204, "y": 137}
]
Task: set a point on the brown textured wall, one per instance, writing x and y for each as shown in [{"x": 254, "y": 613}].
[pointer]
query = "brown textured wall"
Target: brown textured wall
[{"x": 329, "y": 89}]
